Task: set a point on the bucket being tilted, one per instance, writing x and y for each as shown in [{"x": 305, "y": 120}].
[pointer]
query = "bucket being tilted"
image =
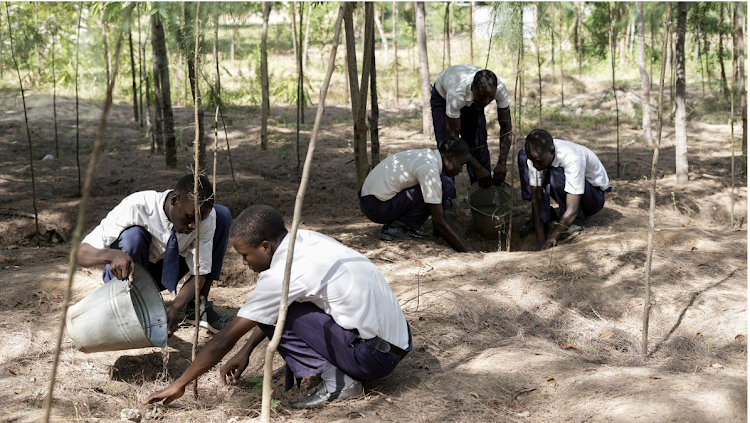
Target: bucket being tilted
[{"x": 119, "y": 316}]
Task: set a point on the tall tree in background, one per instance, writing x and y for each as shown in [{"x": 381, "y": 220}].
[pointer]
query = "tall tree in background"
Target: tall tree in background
[
  {"x": 471, "y": 32},
  {"x": 381, "y": 31},
  {"x": 106, "y": 48},
  {"x": 614, "y": 88},
  {"x": 132, "y": 66},
  {"x": 161, "y": 74},
  {"x": 447, "y": 35},
  {"x": 395, "y": 54},
  {"x": 78, "y": 126},
  {"x": 579, "y": 37},
  {"x": 722, "y": 29},
  {"x": 374, "y": 112},
  {"x": 265, "y": 105},
  {"x": 188, "y": 33},
  {"x": 645, "y": 82},
  {"x": 680, "y": 122},
  {"x": 157, "y": 40},
  {"x": 552, "y": 42},
  {"x": 562, "y": 69},
  {"x": 740, "y": 29},
  {"x": 54, "y": 29},
  {"x": 424, "y": 70}
]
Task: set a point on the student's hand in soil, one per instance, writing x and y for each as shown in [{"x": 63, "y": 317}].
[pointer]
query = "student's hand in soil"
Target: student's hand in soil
[
  {"x": 233, "y": 368},
  {"x": 498, "y": 177},
  {"x": 484, "y": 177},
  {"x": 169, "y": 394},
  {"x": 121, "y": 265},
  {"x": 173, "y": 320}
]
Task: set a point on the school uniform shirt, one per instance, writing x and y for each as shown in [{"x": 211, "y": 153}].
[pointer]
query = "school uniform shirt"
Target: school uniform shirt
[
  {"x": 146, "y": 209},
  {"x": 340, "y": 281},
  {"x": 454, "y": 85},
  {"x": 405, "y": 170},
  {"x": 580, "y": 165}
]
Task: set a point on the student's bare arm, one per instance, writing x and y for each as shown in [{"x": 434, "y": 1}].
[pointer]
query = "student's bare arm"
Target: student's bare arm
[
  {"x": 506, "y": 135},
  {"x": 233, "y": 368},
  {"x": 447, "y": 230},
  {"x": 184, "y": 296},
  {"x": 453, "y": 127},
  {"x": 212, "y": 353},
  {"x": 572, "y": 202},
  {"x": 120, "y": 263}
]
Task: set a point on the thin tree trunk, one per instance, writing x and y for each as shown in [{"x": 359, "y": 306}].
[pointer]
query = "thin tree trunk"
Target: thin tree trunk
[
  {"x": 28, "y": 131},
  {"x": 697, "y": 55},
  {"x": 579, "y": 36},
  {"x": 234, "y": 40},
  {"x": 395, "y": 53},
  {"x": 141, "y": 58},
  {"x": 78, "y": 126},
  {"x": 351, "y": 58},
  {"x": 552, "y": 42},
  {"x": 199, "y": 164},
  {"x": 36, "y": 46},
  {"x": 424, "y": 71},
  {"x": 162, "y": 66},
  {"x": 195, "y": 91},
  {"x": 447, "y": 35},
  {"x": 743, "y": 94},
  {"x": 360, "y": 123},
  {"x": 645, "y": 82},
  {"x": 562, "y": 71},
  {"x": 374, "y": 112},
  {"x": 383, "y": 38},
  {"x": 132, "y": 68},
  {"x": 300, "y": 98},
  {"x": 301, "y": 86},
  {"x": 306, "y": 43},
  {"x": 265, "y": 102},
  {"x": 156, "y": 75},
  {"x": 653, "y": 57},
  {"x": 614, "y": 89},
  {"x": 54, "y": 94},
  {"x": 539, "y": 72},
  {"x": 265, "y": 415},
  {"x": 652, "y": 203},
  {"x": 144, "y": 76},
  {"x": 471, "y": 32},
  {"x": 77, "y": 233},
  {"x": 107, "y": 62},
  {"x": 681, "y": 159},
  {"x": 724, "y": 86}
]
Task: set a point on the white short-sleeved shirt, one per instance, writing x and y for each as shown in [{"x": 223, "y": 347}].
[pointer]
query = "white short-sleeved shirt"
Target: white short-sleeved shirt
[
  {"x": 405, "y": 170},
  {"x": 580, "y": 165},
  {"x": 340, "y": 281},
  {"x": 454, "y": 85},
  {"x": 146, "y": 209}
]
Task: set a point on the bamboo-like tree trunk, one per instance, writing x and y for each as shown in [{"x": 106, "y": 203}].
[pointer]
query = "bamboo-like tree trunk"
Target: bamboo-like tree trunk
[
  {"x": 106, "y": 48},
  {"x": 132, "y": 68},
  {"x": 54, "y": 93},
  {"x": 265, "y": 105},
  {"x": 77, "y": 233},
  {"x": 724, "y": 85},
  {"x": 424, "y": 70},
  {"x": 265, "y": 414},
  {"x": 471, "y": 32},
  {"x": 579, "y": 36},
  {"x": 614, "y": 89},
  {"x": 652, "y": 203},
  {"x": 28, "y": 131},
  {"x": 680, "y": 122},
  {"x": 395, "y": 53},
  {"x": 645, "y": 82},
  {"x": 162, "y": 67},
  {"x": 374, "y": 112}
]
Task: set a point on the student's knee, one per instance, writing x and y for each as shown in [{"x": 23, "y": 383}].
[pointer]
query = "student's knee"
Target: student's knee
[{"x": 134, "y": 241}]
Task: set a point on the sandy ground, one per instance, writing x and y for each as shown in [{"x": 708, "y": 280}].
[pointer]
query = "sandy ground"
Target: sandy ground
[{"x": 498, "y": 336}]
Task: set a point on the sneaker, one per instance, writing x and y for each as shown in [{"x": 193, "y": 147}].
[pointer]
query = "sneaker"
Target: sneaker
[
  {"x": 399, "y": 230},
  {"x": 527, "y": 228},
  {"x": 449, "y": 209},
  {"x": 210, "y": 318}
]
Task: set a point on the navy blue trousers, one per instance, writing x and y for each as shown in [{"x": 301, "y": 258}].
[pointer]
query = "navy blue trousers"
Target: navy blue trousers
[
  {"x": 473, "y": 131},
  {"x": 312, "y": 341},
  {"x": 136, "y": 241},
  {"x": 592, "y": 200},
  {"x": 407, "y": 206}
]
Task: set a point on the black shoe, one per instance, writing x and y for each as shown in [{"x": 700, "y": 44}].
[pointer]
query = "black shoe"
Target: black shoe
[
  {"x": 210, "y": 318},
  {"x": 399, "y": 230},
  {"x": 319, "y": 395},
  {"x": 577, "y": 226},
  {"x": 527, "y": 228}
]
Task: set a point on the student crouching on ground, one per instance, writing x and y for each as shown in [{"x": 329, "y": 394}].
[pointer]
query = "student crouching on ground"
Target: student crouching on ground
[
  {"x": 344, "y": 321},
  {"x": 402, "y": 191}
]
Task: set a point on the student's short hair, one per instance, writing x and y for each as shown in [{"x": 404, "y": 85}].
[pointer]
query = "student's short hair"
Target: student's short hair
[
  {"x": 454, "y": 145},
  {"x": 485, "y": 78},
  {"x": 256, "y": 224},
  {"x": 538, "y": 140},
  {"x": 185, "y": 187}
]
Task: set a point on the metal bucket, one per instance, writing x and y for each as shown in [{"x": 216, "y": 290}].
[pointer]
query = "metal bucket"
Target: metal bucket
[
  {"x": 490, "y": 208},
  {"x": 119, "y": 317}
]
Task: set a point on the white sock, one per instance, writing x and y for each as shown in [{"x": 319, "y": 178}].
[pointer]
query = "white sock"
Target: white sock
[{"x": 336, "y": 380}]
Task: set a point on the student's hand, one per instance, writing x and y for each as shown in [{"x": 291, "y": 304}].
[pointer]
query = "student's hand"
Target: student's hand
[
  {"x": 171, "y": 393},
  {"x": 173, "y": 319},
  {"x": 234, "y": 368},
  {"x": 121, "y": 265},
  {"x": 484, "y": 177},
  {"x": 498, "y": 177}
]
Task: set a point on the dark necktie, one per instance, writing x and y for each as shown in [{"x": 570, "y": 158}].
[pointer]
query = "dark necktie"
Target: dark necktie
[{"x": 170, "y": 273}]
